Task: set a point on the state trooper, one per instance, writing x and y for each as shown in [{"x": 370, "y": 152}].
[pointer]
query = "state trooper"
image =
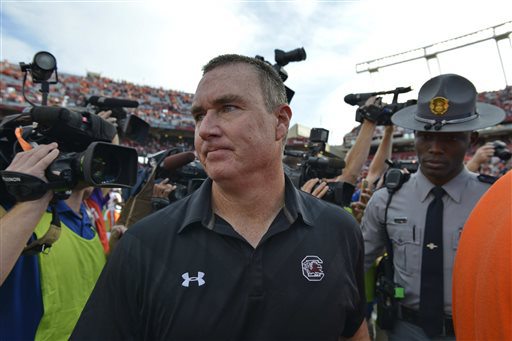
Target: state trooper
[{"x": 420, "y": 225}]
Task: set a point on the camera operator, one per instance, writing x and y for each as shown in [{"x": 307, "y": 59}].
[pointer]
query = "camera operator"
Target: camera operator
[
  {"x": 376, "y": 170},
  {"x": 482, "y": 155},
  {"x": 44, "y": 290},
  {"x": 491, "y": 160},
  {"x": 354, "y": 160},
  {"x": 18, "y": 224}
]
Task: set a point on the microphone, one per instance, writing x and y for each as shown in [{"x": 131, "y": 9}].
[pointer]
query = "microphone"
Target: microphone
[
  {"x": 295, "y": 153},
  {"x": 327, "y": 162},
  {"x": 354, "y": 99},
  {"x": 173, "y": 162},
  {"x": 111, "y": 102}
]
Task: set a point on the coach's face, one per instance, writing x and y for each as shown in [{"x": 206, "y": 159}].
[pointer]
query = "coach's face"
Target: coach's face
[
  {"x": 441, "y": 155},
  {"x": 235, "y": 135}
]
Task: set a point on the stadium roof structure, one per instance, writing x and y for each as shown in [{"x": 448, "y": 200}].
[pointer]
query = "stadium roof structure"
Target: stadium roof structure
[{"x": 430, "y": 52}]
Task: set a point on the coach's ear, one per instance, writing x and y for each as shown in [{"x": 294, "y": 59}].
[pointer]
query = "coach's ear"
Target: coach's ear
[{"x": 284, "y": 115}]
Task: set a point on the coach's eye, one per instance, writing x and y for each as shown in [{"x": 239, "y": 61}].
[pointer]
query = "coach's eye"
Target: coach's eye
[{"x": 228, "y": 108}]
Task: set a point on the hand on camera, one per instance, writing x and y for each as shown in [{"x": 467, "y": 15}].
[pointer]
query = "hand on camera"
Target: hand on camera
[
  {"x": 319, "y": 191},
  {"x": 372, "y": 109},
  {"x": 163, "y": 189},
  {"x": 106, "y": 116},
  {"x": 116, "y": 232},
  {"x": 35, "y": 161}
]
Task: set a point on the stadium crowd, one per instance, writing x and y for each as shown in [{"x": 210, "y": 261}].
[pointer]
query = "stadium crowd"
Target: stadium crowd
[{"x": 167, "y": 109}]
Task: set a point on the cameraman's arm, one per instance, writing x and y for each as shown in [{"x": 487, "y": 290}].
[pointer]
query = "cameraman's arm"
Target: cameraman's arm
[
  {"x": 482, "y": 155},
  {"x": 358, "y": 153},
  {"x": 19, "y": 223},
  {"x": 378, "y": 165}
]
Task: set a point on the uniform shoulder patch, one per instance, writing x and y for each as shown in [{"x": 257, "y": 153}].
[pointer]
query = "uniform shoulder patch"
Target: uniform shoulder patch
[{"x": 489, "y": 179}]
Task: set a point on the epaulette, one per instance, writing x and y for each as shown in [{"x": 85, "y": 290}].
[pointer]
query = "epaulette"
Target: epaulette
[{"x": 488, "y": 179}]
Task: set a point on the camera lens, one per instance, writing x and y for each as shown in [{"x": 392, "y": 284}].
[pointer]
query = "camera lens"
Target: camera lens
[
  {"x": 501, "y": 151},
  {"x": 103, "y": 172},
  {"x": 45, "y": 61}
]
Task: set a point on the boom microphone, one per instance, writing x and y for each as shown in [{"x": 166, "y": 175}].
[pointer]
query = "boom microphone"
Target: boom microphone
[
  {"x": 324, "y": 162},
  {"x": 354, "y": 99},
  {"x": 111, "y": 102},
  {"x": 173, "y": 162},
  {"x": 361, "y": 98}
]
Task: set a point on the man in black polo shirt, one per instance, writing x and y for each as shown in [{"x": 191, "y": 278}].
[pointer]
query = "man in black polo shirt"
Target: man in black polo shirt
[{"x": 245, "y": 257}]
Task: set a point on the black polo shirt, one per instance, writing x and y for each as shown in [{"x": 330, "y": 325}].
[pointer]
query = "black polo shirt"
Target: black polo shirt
[{"x": 183, "y": 273}]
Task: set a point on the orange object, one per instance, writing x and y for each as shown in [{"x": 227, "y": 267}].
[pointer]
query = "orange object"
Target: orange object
[
  {"x": 482, "y": 281},
  {"x": 18, "y": 132},
  {"x": 99, "y": 223}
]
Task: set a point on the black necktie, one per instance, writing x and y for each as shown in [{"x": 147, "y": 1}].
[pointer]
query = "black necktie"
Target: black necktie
[{"x": 432, "y": 284}]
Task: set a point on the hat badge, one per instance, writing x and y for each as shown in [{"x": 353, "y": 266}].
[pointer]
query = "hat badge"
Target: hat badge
[{"x": 439, "y": 105}]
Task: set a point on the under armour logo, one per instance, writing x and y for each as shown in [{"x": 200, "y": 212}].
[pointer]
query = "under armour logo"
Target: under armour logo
[
  {"x": 431, "y": 246},
  {"x": 187, "y": 279}
]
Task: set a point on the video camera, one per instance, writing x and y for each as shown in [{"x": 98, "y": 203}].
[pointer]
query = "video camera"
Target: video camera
[
  {"x": 129, "y": 126},
  {"x": 183, "y": 170},
  {"x": 83, "y": 137},
  {"x": 410, "y": 165},
  {"x": 283, "y": 58},
  {"x": 378, "y": 113},
  {"x": 314, "y": 165},
  {"x": 501, "y": 151}
]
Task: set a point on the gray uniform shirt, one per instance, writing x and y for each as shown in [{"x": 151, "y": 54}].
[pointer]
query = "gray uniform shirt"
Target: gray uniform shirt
[{"x": 406, "y": 224}]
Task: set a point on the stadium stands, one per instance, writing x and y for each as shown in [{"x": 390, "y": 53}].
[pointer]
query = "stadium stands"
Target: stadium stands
[
  {"x": 168, "y": 111},
  {"x": 162, "y": 109}
]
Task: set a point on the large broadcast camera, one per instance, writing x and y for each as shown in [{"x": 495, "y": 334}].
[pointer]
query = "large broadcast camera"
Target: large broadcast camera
[
  {"x": 283, "y": 58},
  {"x": 83, "y": 138},
  {"x": 313, "y": 165},
  {"x": 381, "y": 114}
]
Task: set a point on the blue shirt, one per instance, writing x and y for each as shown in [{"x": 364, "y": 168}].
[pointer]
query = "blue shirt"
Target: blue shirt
[{"x": 21, "y": 306}]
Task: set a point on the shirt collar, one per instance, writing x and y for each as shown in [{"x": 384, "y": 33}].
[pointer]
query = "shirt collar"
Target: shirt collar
[
  {"x": 199, "y": 208},
  {"x": 453, "y": 188}
]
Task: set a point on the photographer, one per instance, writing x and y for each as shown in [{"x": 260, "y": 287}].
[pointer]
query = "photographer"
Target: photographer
[
  {"x": 45, "y": 292},
  {"x": 44, "y": 289},
  {"x": 482, "y": 155},
  {"x": 354, "y": 160},
  {"x": 375, "y": 174},
  {"x": 18, "y": 224}
]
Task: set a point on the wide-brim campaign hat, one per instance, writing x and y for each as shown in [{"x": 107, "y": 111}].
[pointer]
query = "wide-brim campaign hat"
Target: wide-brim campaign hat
[{"x": 447, "y": 103}]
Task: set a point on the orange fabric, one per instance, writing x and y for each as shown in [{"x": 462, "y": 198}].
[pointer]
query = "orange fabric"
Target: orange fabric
[
  {"x": 482, "y": 282},
  {"x": 19, "y": 135},
  {"x": 100, "y": 224}
]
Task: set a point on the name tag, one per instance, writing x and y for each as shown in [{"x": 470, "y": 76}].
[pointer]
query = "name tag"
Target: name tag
[{"x": 400, "y": 220}]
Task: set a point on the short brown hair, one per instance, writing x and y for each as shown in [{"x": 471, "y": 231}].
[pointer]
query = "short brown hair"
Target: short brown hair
[{"x": 274, "y": 92}]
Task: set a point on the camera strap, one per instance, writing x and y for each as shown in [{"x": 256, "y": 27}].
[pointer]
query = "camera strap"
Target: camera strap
[
  {"x": 50, "y": 237},
  {"x": 24, "y": 187}
]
